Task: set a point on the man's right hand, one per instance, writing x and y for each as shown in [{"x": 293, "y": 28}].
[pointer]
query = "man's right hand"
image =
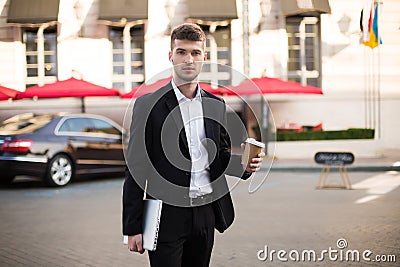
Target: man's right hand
[{"x": 135, "y": 243}]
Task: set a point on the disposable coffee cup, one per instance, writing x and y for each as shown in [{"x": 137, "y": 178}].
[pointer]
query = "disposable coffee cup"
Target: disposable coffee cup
[{"x": 251, "y": 150}]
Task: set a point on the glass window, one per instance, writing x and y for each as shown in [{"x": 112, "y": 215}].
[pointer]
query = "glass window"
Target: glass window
[
  {"x": 218, "y": 49},
  {"x": 101, "y": 126},
  {"x": 118, "y": 85},
  {"x": 304, "y": 50},
  {"x": 49, "y": 57},
  {"x": 76, "y": 125},
  {"x": 136, "y": 75},
  {"x": 118, "y": 70}
]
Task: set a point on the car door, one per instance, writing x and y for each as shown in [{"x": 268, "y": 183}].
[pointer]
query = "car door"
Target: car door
[
  {"x": 89, "y": 147},
  {"x": 111, "y": 142}
]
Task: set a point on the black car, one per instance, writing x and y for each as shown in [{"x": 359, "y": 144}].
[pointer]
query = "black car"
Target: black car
[{"x": 57, "y": 147}]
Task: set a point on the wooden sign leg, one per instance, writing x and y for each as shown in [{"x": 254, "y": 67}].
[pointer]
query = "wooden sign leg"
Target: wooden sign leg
[{"x": 346, "y": 174}]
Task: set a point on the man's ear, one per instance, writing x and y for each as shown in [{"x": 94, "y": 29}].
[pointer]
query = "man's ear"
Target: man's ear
[
  {"x": 205, "y": 56},
  {"x": 170, "y": 56}
]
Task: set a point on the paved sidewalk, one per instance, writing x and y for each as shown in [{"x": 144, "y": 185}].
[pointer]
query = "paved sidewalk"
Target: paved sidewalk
[{"x": 80, "y": 225}]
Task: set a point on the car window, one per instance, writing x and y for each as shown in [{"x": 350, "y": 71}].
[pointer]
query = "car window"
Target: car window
[
  {"x": 88, "y": 125},
  {"x": 101, "y": 126},
  {"x": 24, "y": 125},
  {"x": 76, "y": 125}
]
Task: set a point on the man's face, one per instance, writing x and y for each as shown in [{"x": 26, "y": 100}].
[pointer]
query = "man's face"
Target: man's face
[{"x": 187, "y": 58}]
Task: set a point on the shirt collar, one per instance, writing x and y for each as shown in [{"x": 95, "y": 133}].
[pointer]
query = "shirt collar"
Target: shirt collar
[{"x": 181, "y": 97}]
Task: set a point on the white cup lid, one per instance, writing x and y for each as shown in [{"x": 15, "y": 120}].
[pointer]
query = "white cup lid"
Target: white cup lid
[{"x": 255, "y": 142}]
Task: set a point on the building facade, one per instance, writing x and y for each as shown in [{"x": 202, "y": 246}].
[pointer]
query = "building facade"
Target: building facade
[{"x": 122, "y": 44}]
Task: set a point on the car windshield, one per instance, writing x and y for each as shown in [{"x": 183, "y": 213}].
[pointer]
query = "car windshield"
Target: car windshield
[{"x": 24, "y": 123}]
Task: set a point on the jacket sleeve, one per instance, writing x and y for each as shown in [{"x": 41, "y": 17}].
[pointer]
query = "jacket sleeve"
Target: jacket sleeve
[
  {"x": 132, "y": 206},
  {"x": 137, "y": 164}
]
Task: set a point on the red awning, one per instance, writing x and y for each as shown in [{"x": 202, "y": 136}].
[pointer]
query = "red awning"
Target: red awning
[
  {"x": 267, "y": 85},
  {"x": 216, "y": 91},
  {"x": 254, "y": 86},
  {"x": 67, "y": 88},
  {"x": 149, "y": 88},
  {"x": 146, "y": 88},
  {"x": 7, "y": 93}
]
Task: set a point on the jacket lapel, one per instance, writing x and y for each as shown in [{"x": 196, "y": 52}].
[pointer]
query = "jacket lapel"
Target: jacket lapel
[
  {"x": 209, "y": 115},
  {"x": 175, "y": 112}
]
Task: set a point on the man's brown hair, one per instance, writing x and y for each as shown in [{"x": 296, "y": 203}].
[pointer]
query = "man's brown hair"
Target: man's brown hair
[{"x": 188, "y": 31}]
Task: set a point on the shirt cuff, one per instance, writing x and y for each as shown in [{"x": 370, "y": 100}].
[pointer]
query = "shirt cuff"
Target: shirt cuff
[{"x": 246, "y": 175}]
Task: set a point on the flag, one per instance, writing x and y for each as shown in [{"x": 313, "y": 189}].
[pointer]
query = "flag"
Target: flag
[
  {"x": 370, "y": 36},
  {"x": 366, "y": 13}
]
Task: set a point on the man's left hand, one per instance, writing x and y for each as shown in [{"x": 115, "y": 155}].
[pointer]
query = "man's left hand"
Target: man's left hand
[{"x": 255, "y": 163}]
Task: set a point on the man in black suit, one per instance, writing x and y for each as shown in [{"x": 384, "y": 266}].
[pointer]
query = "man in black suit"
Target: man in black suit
[{"x": 179, "y": 152}]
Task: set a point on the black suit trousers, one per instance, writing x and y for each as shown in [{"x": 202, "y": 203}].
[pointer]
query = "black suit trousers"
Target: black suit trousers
[{"x": 194, "y": 247}]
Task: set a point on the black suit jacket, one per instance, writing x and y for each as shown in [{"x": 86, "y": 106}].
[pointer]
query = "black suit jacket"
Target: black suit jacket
[{"x": 158, "y": 158}]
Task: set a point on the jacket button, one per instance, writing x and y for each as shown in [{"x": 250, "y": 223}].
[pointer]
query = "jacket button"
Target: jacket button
[{"x": 187, "y": 173}]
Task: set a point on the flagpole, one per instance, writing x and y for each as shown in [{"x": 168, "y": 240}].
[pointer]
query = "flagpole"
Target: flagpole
[
  {"x": 379, "y": 3},
  {"x": 370, "y": 88},
  {"x": 373, "y": 89},
  {"x": 365, "y": 88},
  {"x": 371, "y": 38},
  {"x": 365, "y": 28},
  {"x": 374, "y": 83},
  {"x": 369, "y": 73},
  {"x": 371, "y": 77}
]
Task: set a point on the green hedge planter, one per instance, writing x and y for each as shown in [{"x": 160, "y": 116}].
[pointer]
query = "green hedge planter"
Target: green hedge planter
[{"x": 352, "y": 133}]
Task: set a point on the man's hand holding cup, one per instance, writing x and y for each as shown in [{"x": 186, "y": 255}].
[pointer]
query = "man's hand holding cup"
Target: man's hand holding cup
[{"x": 252, "y": 155}]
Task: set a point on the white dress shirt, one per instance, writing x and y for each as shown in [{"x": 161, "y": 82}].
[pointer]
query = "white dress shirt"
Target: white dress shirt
[{"x": 192, "y": 116}]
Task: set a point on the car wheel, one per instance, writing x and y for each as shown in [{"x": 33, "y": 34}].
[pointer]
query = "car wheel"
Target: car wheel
[{"x": 59, "y": 171}]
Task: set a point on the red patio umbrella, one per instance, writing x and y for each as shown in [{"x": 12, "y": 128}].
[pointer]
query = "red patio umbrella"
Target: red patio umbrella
[
  {"x": 149, "y": 88},
  {"x": 267, "y": 85},
  {"x": 220, "y": 90},
  {"x": 67, "y": 88},
  {"x": 7, "y": 93},
  {"x": 146, "y": 88}
]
